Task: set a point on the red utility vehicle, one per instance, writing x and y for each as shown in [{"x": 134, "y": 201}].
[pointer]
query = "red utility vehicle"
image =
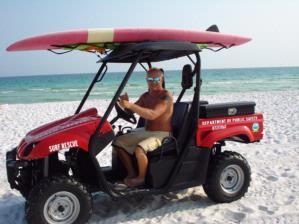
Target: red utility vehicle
[{"x": 58, "y": 190}]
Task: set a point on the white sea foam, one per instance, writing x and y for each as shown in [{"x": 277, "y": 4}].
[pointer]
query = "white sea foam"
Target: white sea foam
[
  {"x": 8, "y": 91},
  {"x": 273, "y": 196},
  {"x": 37, "y": 89}
]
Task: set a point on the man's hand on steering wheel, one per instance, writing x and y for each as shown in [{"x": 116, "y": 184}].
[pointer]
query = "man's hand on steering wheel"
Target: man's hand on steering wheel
[
  {"x": 124, "y": 97},
  {"x": 122, "y": 104}
]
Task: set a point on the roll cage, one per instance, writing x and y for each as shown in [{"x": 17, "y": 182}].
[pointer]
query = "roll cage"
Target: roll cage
[{"x": 147, "y": 52}]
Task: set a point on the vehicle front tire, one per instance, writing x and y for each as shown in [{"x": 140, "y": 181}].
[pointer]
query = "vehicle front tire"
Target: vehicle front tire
[
  {"x": 58, "y": 199},
  {"x": 228, "y": 177}
]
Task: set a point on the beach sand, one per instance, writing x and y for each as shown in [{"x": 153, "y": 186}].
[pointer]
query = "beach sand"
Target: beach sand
[{"x": 273, "y": 196}]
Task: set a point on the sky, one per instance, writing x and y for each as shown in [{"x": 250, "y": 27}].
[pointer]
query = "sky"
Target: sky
[{"x": 272, "y": 25}]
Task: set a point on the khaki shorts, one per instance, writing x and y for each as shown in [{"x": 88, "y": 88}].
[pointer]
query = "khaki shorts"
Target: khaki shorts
[{"x": 148, "y": 140}]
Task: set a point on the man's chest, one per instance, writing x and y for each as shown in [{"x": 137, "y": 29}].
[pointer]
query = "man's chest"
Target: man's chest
[{"x": 151, "y": 102}]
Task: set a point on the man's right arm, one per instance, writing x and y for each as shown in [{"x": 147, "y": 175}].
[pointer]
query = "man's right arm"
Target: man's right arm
[
  {"x": 139, "y": 102},
  {"x": 152, "y": 113}
]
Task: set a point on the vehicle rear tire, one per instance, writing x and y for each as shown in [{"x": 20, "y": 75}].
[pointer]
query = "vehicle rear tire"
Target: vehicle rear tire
[
  {"x": 58, "y": 199},
  {"x": 228, "y": 177}
]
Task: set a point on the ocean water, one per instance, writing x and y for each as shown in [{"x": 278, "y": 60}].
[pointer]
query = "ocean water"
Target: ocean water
[{"x": 71, "y": 87}]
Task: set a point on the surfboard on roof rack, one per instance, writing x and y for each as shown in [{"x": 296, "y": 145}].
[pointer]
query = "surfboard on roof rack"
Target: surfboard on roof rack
[{"x": 101, "y": 39}]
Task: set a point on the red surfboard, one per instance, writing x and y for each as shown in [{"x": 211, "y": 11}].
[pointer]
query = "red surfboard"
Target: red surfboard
[{"x": 93, "y": 39}]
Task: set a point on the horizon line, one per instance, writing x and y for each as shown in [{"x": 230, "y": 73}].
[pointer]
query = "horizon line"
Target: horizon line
[{"x": 261, "y": 67}]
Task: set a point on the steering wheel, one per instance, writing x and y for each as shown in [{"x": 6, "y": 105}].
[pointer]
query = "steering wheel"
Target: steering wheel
[{"x": 125, "y": 114}]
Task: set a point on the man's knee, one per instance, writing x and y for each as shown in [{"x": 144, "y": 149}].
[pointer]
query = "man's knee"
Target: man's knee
[
  {"x": 119, "y": 150},
  {"x": 115, "y": 148},
  {"x": 139, "y": 151}
]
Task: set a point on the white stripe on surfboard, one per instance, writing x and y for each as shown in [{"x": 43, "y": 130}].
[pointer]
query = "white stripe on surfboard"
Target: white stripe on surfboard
[{"x": 100, "y": 35}]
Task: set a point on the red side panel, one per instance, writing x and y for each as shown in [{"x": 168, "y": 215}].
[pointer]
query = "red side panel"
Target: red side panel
[{"x": 211, "y": 130}]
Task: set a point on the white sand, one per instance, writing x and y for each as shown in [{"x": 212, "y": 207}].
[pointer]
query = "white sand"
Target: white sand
[{"x": 273, "y": 196}]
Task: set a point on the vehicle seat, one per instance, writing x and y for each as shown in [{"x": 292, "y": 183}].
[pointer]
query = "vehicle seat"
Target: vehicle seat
[
  {"x": 179, "y": 116},
  {"x": 180, "y": 111}
]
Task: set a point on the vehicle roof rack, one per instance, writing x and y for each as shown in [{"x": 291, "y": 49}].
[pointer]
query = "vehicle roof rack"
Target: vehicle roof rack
[{"x": 153, "y": 51}]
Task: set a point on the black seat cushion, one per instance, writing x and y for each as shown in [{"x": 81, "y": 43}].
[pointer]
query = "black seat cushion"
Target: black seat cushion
[
  {"x": 168, "y": 148},
  {"x": 180, "y": 111}
]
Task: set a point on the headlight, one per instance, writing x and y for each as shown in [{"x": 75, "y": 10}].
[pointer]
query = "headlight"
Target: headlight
[{"x": 28, "y": 149}]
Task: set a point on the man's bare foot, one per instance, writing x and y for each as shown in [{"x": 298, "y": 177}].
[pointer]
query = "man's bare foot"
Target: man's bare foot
[
  {"x": 130, "y": 176},
  {"x": 134, "y": 182}
]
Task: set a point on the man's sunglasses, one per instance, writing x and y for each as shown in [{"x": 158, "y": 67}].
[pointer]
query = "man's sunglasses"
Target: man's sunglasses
[{"x": 151, "y": 79}]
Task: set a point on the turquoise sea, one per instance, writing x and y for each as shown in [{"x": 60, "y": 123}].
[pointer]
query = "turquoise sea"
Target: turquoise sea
[{"x": 71, "y": 87}]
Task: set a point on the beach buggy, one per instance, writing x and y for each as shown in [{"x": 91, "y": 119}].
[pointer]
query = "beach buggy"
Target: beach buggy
[{"x": 58, "y": 188}]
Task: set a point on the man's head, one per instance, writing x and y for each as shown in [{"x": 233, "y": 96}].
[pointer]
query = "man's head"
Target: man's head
[{"x": 155, "y": 79}]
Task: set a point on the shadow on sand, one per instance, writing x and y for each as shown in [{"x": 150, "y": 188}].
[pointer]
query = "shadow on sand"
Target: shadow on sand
[
  {"x": 12, "y": 209},
  {"x": 107, "y": 210},
  {"x": 149, "y": 207}
]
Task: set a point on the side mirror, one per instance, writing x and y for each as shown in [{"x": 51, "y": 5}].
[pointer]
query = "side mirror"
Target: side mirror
[{"x": 187, "y": 77}]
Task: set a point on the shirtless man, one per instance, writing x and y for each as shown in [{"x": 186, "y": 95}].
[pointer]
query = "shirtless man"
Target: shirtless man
[{"x": 156, "y": 107}]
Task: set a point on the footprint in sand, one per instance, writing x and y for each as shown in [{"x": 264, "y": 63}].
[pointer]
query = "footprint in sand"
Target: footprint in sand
[
  {"x": 235, "y": 216},
  {"x": 247, "y": 210},
  {"x": 265, "y": 209},
  {"x": 284, "y": 175},
  {"x": 290, "y": 200},
  {"x": 272, "y": 178}
]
